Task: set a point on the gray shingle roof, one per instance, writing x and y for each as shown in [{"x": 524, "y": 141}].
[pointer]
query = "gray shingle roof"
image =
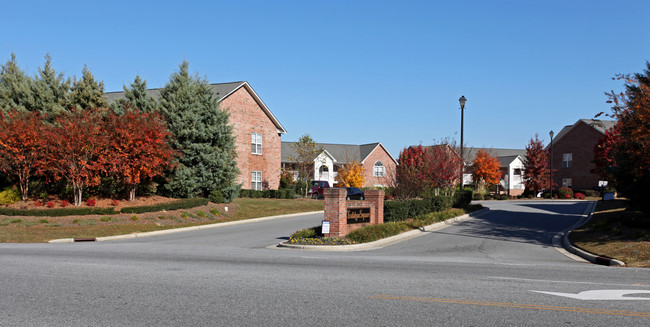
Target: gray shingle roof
[
  {"x": 470, "y": 153},
  {"x": 342, "y": 153},
  {"x": 221, "y": 91},
  {"x": 599, "y": 125}
]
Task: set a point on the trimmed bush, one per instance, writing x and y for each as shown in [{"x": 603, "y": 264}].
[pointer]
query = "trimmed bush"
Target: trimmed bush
[
  {"x": 477, "y": 196},
  {"x": 565, "y": 193},
  {"x": 463, "y": 198},
  {"x": 405, "y": 209},
  {"x": 216, "y": 196},
  {"x": 179, "y": 204},
  {"x": 58, "y": 212},
  {"x": 9, "y": 196}
]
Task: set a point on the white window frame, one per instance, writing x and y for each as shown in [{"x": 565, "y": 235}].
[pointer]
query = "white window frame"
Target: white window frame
[
  {"x": 256, "y": 143},
  {"x": 567, "y": 182},
  {"x": 256, "y": 180},
  {"x": 567, "y": 160},
  {"x": 379, "y": 170}
]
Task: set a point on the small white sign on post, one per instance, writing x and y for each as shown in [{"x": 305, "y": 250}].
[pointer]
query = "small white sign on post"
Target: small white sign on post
[{"x": 325, "y": 227}]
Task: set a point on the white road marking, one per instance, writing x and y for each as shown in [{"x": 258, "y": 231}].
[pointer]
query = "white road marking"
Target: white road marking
[{"x": 611, "y": 295}]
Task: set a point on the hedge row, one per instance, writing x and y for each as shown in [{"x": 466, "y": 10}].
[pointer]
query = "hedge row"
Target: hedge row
[
  {"x": 400, "y": 210},
  {"x": 58, "y": 212},
  {"x": 285, "y": 193},
  {"x": 178, "y": 204}
]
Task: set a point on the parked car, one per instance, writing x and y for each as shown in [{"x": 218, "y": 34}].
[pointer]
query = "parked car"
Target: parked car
[
  {"x": 317, "y": 188},
  {"x": 355, "y": 194}
]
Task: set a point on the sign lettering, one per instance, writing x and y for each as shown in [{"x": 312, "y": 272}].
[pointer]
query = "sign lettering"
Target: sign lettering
[{"x": 358, "y": 215}]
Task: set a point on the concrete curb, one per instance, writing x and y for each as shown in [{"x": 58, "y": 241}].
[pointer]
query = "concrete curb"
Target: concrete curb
[
  {"x": 184, "y": 229},
  {"x": 384, "y": 241},
  {"x": 581, "y": 254}
]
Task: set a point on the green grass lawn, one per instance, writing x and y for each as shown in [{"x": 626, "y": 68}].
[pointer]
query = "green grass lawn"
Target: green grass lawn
[
  {"x": 39, "y": 229},
  {"x": 616, "y": 231}
]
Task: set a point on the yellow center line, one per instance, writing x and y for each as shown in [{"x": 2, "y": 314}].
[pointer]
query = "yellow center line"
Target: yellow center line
[{"x": 515, "y": 305}]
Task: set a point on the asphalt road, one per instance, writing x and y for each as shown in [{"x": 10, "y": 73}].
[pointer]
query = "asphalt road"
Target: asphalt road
[{"x": 482, "y": 272}]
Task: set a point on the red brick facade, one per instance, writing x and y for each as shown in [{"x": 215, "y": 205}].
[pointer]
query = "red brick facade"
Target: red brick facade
[
  {"x": 336, "y": 210},
  {"x": 379, "y": 154},
  {"x": 247, "y": 117},
  {"x": 579, "y": 142}
]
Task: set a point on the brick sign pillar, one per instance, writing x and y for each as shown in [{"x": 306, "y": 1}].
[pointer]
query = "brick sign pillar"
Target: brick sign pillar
[{"x": 345, "y": 216}]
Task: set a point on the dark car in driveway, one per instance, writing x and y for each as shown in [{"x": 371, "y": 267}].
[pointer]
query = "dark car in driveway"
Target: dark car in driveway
[{"x": 355, "y": 194}]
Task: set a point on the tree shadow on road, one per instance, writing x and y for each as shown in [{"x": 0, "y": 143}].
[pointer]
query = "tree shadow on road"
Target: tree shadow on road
[{"x": 535, "y": 225}]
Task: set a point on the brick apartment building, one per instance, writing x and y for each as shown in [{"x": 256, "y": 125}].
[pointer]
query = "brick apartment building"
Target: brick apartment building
[
  {"x": 378, "y": 164},
  {"x": 257, "y": 133},
  {"x": 573, "y": 153}
]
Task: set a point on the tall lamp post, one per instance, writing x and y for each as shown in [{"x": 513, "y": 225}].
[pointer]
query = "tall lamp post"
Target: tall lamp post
[
  {"x": 462, "y": 101},
  {"x": 550, "y": 184}
]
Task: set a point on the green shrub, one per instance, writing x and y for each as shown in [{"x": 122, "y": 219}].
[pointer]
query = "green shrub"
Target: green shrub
[
  {"x": 134, "y": 218},
  {"x": 463, "y": 198},
  {"x": 399, "y": 210},
  {"x": 58, "y": 212},
  {"x": 371, "y": 233},
  {"x": 244, "y": 193},
  {"x": 105, "y": 219},
  {"x": 487, "y": 197},
  {"x": 565, "y": 193},
  {"x": 290, "y": 193},
  {"x": 266, "y": 194},
  {"x": 178, "y": 204},
  {"x": 308, "y": 233},
  {"x": 9, "y": 196},
  {"x": 43, "y": 221},
  {"x": 477, "y": 196},
  {"x": 216, "y": 196},
  {"x": 215, "y": 212},
  {"x": 201, "y": 214}
]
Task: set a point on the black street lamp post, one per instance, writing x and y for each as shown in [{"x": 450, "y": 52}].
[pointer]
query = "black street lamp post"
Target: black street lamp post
[
  {"x": 550, "y": 184},
  {"x": 462, "y": 101}
]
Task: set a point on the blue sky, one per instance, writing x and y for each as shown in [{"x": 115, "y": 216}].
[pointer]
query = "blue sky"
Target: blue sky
[{"x": 357, "y": 72}]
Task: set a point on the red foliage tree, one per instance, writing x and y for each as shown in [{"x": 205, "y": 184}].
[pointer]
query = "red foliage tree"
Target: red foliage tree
[
  {"x": 138, "y": 149},
  {"x": 486, "y": 169},
  {"x": 409, "y": 172},
  {"x": 536, "y": 166},
  {"x": 605, "y": 152},
  {"x": 76, "y": 146},
  {"x": 21, "y": 142},
  {"x": 423, "y": 170},
  {"x": 442, "y": 167},
  {"x": 631, "y": 149}
]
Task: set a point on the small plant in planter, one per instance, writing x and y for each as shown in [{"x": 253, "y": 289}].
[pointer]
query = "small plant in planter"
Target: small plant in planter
[
  {"x": 38, "y": 203},
  {"x": 64, "y": 203},
  {"x": 579, "y": 196},
  {"x": 91, "y": 202},
  {"x": 114, "y": 202},
  {"x": 50, "y": 204}
]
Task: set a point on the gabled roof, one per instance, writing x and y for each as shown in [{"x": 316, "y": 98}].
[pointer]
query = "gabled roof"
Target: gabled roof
[
  {"x": 507, "y": 160},
  {"x": 600, "y": 126},
  {"x": 341, "y": 153},
  {"x": 221, "y": 91}
]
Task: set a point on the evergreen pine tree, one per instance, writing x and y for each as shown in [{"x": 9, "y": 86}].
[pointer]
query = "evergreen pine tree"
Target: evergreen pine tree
[
  {"x": 87, "y": 93},
  {"x": 136, "y": 98},
  {"x": 202, "y": 135},
  {"x": 50, "y": 90},
  {"x": 15, "y": 90}
]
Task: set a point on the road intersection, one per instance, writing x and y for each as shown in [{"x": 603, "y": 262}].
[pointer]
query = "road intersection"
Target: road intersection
[{"x": 497, "y": 269}]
